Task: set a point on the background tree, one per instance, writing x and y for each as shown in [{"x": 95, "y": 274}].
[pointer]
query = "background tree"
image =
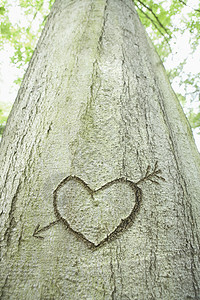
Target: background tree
[{"x": 96, "y": 122}]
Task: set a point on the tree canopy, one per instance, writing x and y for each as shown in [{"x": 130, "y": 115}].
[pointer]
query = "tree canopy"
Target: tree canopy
[{"x": 166, "y": 22}]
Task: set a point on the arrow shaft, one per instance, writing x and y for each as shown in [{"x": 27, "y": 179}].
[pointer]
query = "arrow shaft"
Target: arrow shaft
[
  {"x": 48, "y": 226},
  {"x": 37, "y": 230}
]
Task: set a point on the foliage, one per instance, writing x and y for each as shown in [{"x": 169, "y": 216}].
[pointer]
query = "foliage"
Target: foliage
[
  {"x": 4, "y": 111},
  {"x": 2, "y": 121},
  {"x": 194, "y": 118},
  {"x": 160, "y": 19},
  {"x": 23, "y": 35},
  {"x": 165, "y": 22}
]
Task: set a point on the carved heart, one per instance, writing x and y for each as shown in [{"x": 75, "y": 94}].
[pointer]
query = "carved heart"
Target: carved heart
[{"x": 96, "y": 215}]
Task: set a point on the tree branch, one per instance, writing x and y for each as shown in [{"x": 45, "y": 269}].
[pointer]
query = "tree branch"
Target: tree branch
[
  {"x": 198, "y": 10},
  {"x": 157, "y": 19},
  {"x": 155, "y": 25}
]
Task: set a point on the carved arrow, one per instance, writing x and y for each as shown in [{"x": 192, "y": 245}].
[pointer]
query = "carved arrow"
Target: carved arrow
[
  {"x": 149, "y": 176},
  {"x": 37, "y": 230}
]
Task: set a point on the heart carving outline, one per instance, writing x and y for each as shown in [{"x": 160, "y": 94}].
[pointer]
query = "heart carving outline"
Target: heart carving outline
[
  {"x": 152, "y": 176},
  {"x": 120, "y": 227}
]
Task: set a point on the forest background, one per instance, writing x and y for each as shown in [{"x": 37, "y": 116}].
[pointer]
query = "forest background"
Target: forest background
[{"x": 173, "y": 26}]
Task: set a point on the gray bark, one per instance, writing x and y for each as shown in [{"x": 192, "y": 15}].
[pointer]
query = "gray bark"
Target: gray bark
[{"x": 82, "y": 215}]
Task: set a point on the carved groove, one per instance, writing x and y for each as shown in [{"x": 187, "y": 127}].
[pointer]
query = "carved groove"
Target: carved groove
[{"x": 123, "y": 224}]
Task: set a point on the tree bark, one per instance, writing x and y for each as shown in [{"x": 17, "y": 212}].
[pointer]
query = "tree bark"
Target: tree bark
[{"x": 99, "y": 170}]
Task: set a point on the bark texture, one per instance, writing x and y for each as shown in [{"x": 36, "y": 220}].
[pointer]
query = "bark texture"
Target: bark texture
[{"x": 82, "y": 215}]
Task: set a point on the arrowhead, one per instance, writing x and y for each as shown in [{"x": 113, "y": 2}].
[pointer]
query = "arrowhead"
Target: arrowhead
[{"x": 36, "y": 231}]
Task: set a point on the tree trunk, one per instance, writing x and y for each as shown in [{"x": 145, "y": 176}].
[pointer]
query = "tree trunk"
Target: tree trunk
[{"x": 99, "y": 171}]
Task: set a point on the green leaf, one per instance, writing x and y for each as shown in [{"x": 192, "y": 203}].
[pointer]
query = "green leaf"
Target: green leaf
[{"x": 2, "y": 10}]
